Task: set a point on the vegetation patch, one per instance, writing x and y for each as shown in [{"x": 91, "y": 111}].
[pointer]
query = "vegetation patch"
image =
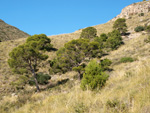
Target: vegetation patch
[
  {"x": 120, "y": 25},
  {"x": 116, "y": 106},
  {"x": 126, "y": 59},
  {"x": 41, "y": 78},
  {"x": 94, "y": 76},
  {"x": 141, "y": 14},
  {"x": 139, "y": 28}
]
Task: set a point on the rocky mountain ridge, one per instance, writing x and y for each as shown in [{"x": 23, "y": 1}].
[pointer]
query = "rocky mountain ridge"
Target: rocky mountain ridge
[
  {"x": 127, "y": 12},
  {"x": 133, "y": 9}
]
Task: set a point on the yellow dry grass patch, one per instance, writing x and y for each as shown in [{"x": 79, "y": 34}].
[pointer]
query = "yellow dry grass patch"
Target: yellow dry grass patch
[{"x": 130, "y": 89}]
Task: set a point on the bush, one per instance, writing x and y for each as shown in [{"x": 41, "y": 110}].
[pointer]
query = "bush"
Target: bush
[
  {"x": 41, "y": 78},
  {"x": 94, "y": 77},
  {"x": 114, "y": 40},
  {"x": 126, "y": 59},
  {"x": 89, "y": 33},
  {"x": 104, "y": 37},
  {"x": 105, "y": 64},
  {"x": 139, "y": 28},
  {"x": 120, "y": 25},
  {"x": 141, "y": 14}
]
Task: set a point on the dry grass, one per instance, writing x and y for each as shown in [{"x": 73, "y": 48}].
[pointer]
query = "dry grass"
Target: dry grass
[
  {"x": 128, "y": 86},
  {"x": 130, "y": 89},
  {"x": 58, "y": 41}
]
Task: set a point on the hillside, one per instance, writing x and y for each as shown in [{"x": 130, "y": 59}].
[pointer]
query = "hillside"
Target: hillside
[
  {"x": 8, "y": 32},
  {"x": 126, "y": 91}
]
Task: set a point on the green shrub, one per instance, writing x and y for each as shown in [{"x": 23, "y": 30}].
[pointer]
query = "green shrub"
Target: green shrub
[
  {"x": 114, "y": 40},
  {"x": 120, "y": 25},
  {"x": 141, "y": 14},
  {"x": 94, "y": 77},
  {"x": 41, "y": 78},
  {"x": 89, "y": 33},
  {"x": 139, "y": 28},
  {"x": 126, "y": 59},
  {"x": 104, "y": 37},
  {"x": 105, "y": 64}
]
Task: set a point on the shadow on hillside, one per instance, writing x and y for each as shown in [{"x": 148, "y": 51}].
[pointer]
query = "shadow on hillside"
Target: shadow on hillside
[
  {"x": 105, "y": 54},
  {"x": 54, "y": 84},
  {"x": 54, "y": 49},
  {"x": 110, "y": 70},
  {"x": 127, "y": 34}
]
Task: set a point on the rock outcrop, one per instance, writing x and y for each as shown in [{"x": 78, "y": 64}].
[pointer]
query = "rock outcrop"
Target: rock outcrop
[{"x": 133, "y": 9}]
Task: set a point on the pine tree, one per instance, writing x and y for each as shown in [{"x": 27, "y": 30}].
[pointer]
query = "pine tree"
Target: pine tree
[
  {"x": 120, "y": 25},
  {"x": 26, "y": 58}
]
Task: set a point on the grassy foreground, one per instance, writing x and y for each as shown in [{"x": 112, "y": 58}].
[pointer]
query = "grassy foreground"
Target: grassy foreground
[{"x": 124, "y": 93}]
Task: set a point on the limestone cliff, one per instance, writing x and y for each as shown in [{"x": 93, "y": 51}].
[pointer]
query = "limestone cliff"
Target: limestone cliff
[{"x": 133, "y": 9}]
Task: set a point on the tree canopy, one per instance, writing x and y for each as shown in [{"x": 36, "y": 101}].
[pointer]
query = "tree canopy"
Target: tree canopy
[
  {"x": 89, "y": 33},
  {"x": 74, "y": 53},
  {"x": 27, "y": 57},
  {"x": 114, "y": 40},
  {"x": 120, "y": 25}
]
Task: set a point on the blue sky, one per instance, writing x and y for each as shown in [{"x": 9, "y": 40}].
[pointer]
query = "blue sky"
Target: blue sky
[{"x": 53, "y": 17}]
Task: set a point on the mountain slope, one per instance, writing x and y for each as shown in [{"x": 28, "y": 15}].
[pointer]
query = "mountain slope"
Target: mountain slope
[
  {"x": 8, "y": 32},
  {"x": 126, "y": 91}
]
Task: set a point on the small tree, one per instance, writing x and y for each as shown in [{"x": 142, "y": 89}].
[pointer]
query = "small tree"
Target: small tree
[
  {"x": 114, "y": 40},
  {"x": 120, "y": 25},
  {"x": 101, "y": 40},
  {"x": 26, "y": 58},
  {"x": 94, "y": 77},
  {"x": 89, "y": 33}
]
